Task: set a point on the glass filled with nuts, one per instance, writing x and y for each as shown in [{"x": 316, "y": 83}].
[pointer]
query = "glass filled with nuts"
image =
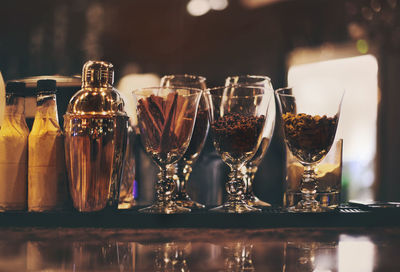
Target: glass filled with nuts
[
  {"x": 310, "y": 118},
  {"x": 238, "y": 117},
  {"x": 251, "y": 167}
]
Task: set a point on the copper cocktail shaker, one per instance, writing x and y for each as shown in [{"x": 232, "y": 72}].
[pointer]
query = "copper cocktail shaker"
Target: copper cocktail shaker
[{"x": 95, "y": 127}]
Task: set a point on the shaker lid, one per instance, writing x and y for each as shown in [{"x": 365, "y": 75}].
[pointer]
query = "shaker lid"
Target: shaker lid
[
  {"x": 16, "y": 87},
  {"x": 97, "y": 74},
  {"x": 97, "y": 96}
]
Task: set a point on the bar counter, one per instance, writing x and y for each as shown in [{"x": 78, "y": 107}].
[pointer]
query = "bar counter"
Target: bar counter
[{"x": 348, "y": 239}]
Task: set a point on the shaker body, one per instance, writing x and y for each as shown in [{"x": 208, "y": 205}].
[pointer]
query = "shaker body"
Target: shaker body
[
  {"x": 95, "y": 126},
  {"x": 95, "y": 148}
]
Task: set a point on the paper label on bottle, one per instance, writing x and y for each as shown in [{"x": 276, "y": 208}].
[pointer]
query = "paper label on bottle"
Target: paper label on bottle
[
  {"x": 13, "y": 172},
  {"x": 2, "y": 99},
  {"x": 47, "y": 183}
]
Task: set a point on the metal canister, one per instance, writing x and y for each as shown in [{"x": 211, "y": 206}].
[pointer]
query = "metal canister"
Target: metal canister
[{"x": 95, "y": 126}]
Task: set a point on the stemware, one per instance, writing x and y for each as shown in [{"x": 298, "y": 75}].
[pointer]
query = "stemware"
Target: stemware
[
  {"x": 183, "y": 168},
  {"x": 166, "y": 117},
  {"x": 251, "y": 167},
  {"x": 310, "y": 115},
  {"x": 238, "y": 117}
]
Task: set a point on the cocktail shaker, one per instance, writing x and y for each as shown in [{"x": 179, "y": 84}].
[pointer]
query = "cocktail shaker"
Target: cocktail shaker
[{"x": 95, "y": 126}]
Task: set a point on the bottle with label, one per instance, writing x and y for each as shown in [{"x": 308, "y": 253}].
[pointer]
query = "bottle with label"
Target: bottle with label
[
  {"x": 14, "y": 150},
  {"x": 2, "y": 98},
  {"x": 47, "y": 181}
]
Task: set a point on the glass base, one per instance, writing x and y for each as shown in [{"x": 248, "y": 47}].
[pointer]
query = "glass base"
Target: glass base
[
  {"x": 185, "y": 201},
  {"x": 235, "y": 207},
  {"x": 164, "y": 208},
  {"x": 330, "y": 200},
  {"x": 6, "y": 207},
  {"x": 254, "y": 201},
  {"x": 308, "y": 207},
  {"x": 126, "y": 205}
]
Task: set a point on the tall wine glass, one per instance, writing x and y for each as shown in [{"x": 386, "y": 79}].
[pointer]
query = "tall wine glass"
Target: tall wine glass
[
  {"x": 310, "y": 115},
  {"x": 183, "y": 168},
  {"x": 238, "y": 117},
  {"x": 166, "y": 117},
  {"x": 251, "y": 167}
]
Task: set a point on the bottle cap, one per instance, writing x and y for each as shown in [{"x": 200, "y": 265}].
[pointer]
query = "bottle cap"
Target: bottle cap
[
  {"x": 97, "y": 96},
  {"x": 46, "y": 86},
  {"x": 97, "y": 74},
  {"x": 16, "y": 87}
]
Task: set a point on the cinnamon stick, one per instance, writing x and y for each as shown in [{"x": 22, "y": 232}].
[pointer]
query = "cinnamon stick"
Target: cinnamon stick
[
  {"x": 166, "y": 137},
  {"x": 182, "y": 108},
  {"x": 150, "y": 126},
  {"x": 155, "y": 105}
]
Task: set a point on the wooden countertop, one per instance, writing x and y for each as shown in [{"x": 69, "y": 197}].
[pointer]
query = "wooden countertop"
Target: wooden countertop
[
  {"x": 205, "y": 249},
  {"x": 345, "y": 216},
  {"x": 349, "y": 239}
]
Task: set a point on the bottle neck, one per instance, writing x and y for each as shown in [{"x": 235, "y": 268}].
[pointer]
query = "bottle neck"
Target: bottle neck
[
  {"x": 46, "y": 106},
  {"x": 14, "y": 104}
]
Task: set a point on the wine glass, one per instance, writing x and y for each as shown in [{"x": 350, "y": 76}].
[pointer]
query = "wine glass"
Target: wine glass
[
  {"x": 183, "y": 168},
  {"x": 310, "y": 115},
  {"x": 251, "y": 167},
  {"x": 166, "y": 117},
  {"x": 238, "y": 117}
]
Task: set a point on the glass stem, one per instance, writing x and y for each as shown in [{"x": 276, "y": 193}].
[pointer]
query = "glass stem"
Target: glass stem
[
  {"x": 165, "y": 186},
  {"x": 250, "y": 173},
  {"x": 309, "y": 184},
  {"x": 235, "y": 187},
  {"x": 183, "y": 172}
]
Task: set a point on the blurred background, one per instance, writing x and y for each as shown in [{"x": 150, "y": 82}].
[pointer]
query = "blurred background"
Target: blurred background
[{"x": 355, "y": 42}]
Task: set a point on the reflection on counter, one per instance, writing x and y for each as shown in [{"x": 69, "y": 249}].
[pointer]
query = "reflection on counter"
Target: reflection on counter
[
  {"x": 310, "y": 256},
  {"x": 199, "y": 250},
  {"x": 238, "y": 257}
]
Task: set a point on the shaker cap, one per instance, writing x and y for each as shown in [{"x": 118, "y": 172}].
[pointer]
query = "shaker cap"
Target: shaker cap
[
  {"x": 97, "y": 96},
  {"x": 46, "y": 86},
  {"x": 97, "y": 74},
  {"x": 16, "y": 87}
]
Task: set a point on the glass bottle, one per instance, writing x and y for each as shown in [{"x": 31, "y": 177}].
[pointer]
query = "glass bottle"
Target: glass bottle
[
  {"x": 128, "y": 187},
  {"x": 47, "y": 182},
  {"x": 14, "y": 150},
  {"x": 2, "y": 98}
]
